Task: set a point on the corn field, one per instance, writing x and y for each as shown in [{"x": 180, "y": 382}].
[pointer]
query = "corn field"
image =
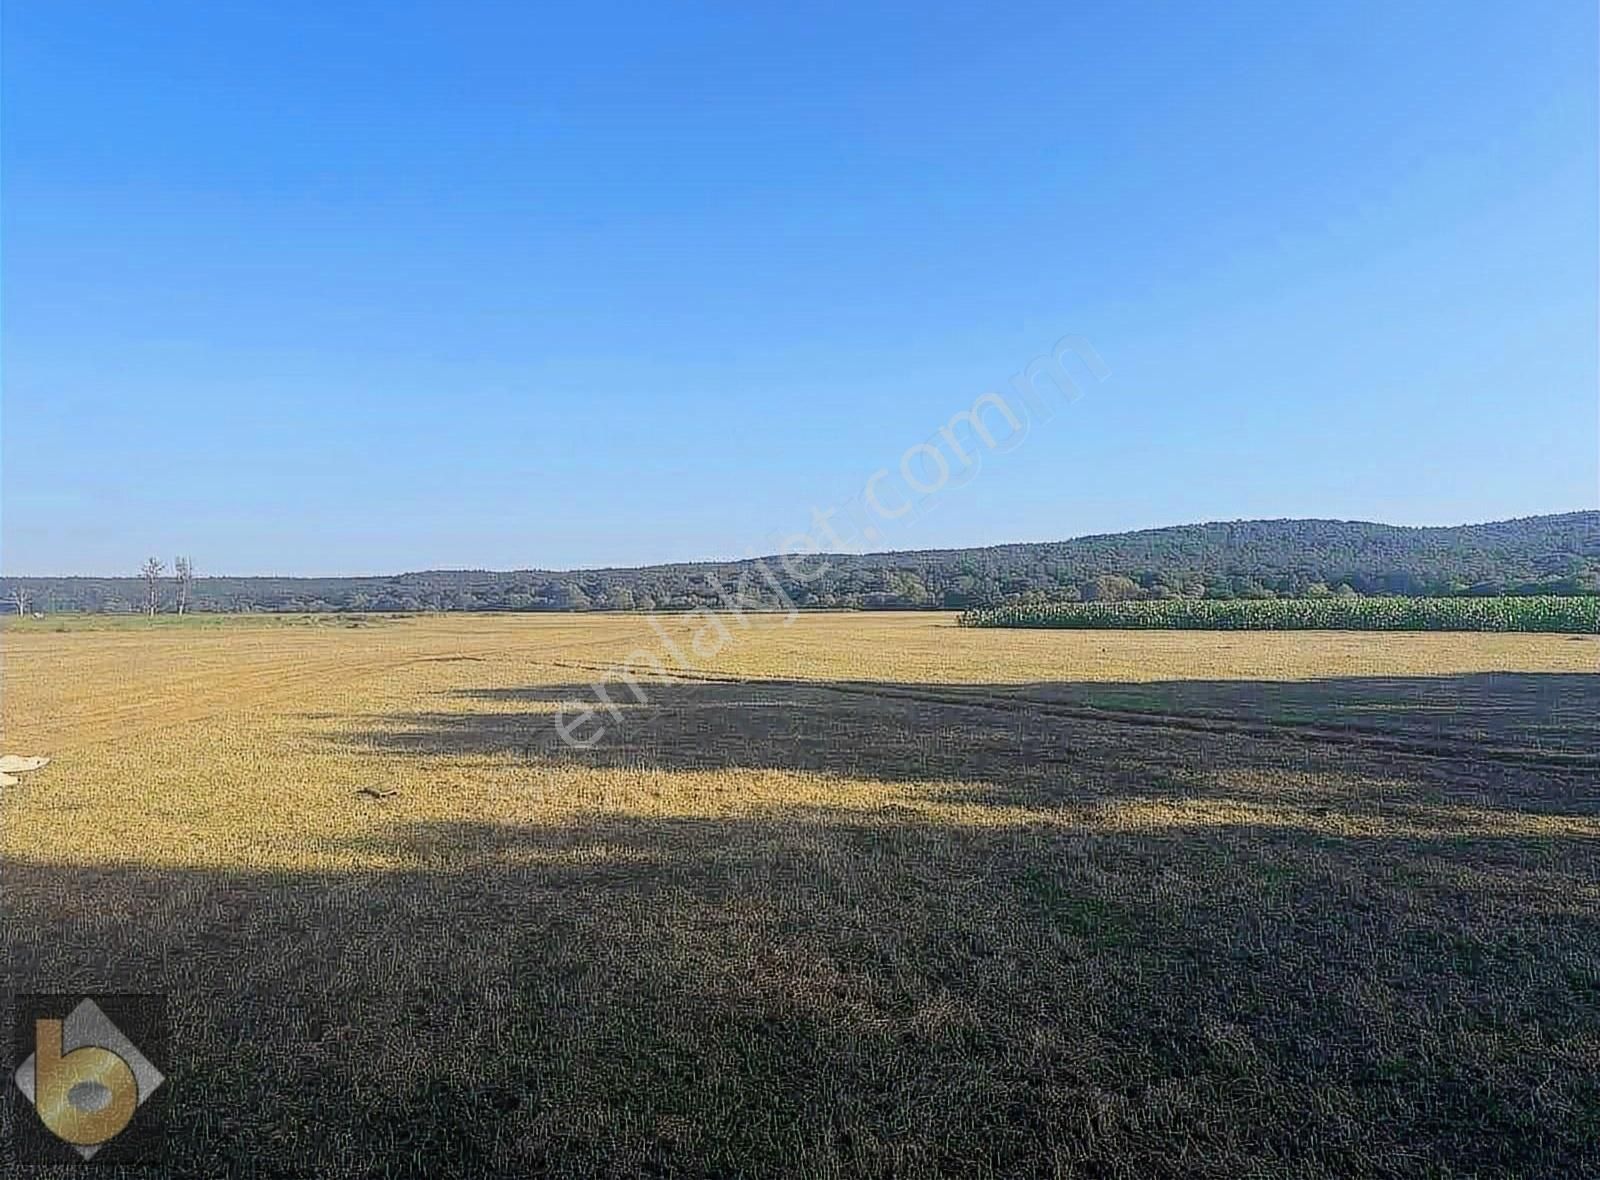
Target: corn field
[{"x": 1575, "y": 614}]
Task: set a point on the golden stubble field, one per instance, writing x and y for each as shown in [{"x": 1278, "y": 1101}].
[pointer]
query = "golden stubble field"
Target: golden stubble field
[{"x": 860, "y": 895}]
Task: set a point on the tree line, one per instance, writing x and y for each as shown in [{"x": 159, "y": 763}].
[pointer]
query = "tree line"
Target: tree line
[{"x": 1545, "y": 555}]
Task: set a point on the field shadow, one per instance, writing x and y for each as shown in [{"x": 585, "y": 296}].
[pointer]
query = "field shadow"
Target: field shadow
[
  {"x": 1530, "y": 741},
  {"x": 822, "y": 992},
  {"x": 1138, "y": 944},
  {"x": 1556, "y": 711}
]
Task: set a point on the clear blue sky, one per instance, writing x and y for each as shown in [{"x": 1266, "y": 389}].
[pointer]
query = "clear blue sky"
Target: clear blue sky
[{"x": 313, "y": 288}]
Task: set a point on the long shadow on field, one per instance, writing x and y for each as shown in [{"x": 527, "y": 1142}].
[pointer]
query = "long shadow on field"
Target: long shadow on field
[
  {"x": 1530, "y": 741},
  {"x": 1557, "y": 710},
  {"x": 831, "y": 992},
  {"x": 1307, "y": 955}
]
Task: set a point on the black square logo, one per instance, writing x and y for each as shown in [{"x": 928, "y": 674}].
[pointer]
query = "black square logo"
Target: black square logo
[{"x": 87, "y": 1078}]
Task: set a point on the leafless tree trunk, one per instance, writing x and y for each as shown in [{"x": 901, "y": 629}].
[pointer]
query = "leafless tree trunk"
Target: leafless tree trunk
[
  {"x": 183, "y": 574},
  {"x": 19, "y": 596},
  {"x": 151, "y": 571}
]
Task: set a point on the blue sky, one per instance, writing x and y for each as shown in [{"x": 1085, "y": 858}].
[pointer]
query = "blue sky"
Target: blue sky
[{"x": 309, "y": 288}]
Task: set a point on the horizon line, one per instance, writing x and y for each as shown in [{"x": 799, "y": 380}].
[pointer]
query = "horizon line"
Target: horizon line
[{"x": 757, "y": 557}]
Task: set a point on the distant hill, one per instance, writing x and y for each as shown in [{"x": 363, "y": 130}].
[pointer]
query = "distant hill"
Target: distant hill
[{"x": 1235, "y": 559}]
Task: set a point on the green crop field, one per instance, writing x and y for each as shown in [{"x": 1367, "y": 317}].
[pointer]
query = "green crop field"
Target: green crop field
[{"x": 1577, "y": 615}]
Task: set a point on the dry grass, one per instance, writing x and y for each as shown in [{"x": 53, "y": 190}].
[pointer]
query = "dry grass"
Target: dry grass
[{"x": 864, "y": 895}]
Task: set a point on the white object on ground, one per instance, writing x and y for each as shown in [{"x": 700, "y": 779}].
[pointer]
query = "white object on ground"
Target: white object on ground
[{"x": 13, "y": 764}]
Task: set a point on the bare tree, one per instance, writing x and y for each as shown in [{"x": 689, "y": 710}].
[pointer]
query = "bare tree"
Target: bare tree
[
  {"x": 151, "y": 571},
  {"x": 19, "y": 597},
  {"x": 183, "y": 575}
]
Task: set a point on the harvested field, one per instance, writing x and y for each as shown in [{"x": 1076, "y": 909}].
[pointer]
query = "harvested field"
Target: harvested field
[{"x": 867, "y": 894}]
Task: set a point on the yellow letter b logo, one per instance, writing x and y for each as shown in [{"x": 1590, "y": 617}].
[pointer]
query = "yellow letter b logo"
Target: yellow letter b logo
[{"x": 86, "y": 1096}]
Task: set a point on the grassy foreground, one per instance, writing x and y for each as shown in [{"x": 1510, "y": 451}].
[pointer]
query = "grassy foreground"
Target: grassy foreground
[{"x": 865, "y": 895}]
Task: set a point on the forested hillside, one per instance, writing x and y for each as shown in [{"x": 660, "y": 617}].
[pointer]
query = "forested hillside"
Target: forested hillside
[{"x": 1240, "y": 559}]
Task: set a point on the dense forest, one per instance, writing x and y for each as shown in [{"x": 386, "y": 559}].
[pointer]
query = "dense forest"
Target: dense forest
[{"x": 1254, "y": 559}]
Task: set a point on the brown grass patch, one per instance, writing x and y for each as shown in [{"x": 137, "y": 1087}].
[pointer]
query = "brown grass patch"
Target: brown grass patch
[{"x": 871, "y": 895}]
